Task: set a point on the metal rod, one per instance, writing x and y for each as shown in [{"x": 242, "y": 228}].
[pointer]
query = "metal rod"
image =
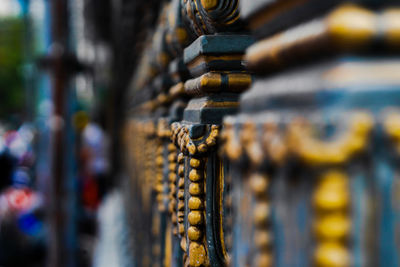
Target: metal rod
[{"x": 59, "y": 79}]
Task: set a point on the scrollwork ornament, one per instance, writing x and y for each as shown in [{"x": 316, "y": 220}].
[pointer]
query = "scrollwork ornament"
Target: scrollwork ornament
[
  {"x": 195, "y": 151},
  {"x": 212, "y": 16},
  {"x": 313, "y": 151}
]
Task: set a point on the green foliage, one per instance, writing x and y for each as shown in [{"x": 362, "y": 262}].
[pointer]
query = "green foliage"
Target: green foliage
[{"x": 12, "y": 94}]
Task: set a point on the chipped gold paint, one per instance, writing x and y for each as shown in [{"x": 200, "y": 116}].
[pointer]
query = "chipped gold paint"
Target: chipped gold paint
[
  {"x": 198, "y": 253},
  {"x": 195, "y": 217},
  {"x": 211, "y": 80},
  {"x": 195, "y": 175},
  {"x": 195, "y": 189},
  {"x": 238, "y": 81},
  {"x": 195, "y": 203},
  {"x": 195, "y": 163}
]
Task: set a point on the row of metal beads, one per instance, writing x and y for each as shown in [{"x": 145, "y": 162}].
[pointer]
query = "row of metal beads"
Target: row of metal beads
[
  {"x": 197, "y": 251},
  {"x": 332, "y": 224},
  {"x": 172, "y": 177},
  {"x": 181, "y": 200},
  {"x": 159, "y": 184},
  {"x": 261, "y": 217}
]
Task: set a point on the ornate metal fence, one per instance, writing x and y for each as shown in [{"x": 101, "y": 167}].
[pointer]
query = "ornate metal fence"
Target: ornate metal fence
[{"x": 266, "y": 133}]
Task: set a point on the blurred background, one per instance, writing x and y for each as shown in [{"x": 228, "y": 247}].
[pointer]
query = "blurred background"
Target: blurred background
[{"x": 58, "y": 121}]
